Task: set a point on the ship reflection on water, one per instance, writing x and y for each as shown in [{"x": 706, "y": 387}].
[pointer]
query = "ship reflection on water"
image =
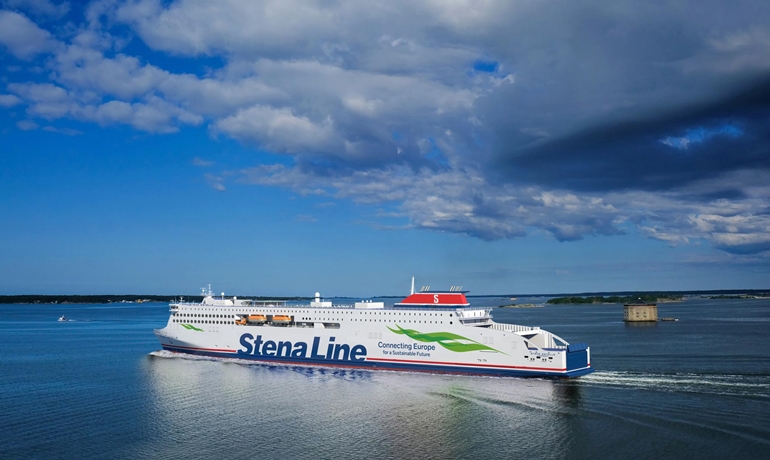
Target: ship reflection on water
[
  {"x": 568, "y": 392},
  {"x": 344, "y": 413}
]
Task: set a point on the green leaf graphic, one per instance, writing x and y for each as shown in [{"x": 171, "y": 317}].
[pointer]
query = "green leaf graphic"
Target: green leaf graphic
[
  {"x": 190, "y": 327},
  {"x": 448, "y": 340}
]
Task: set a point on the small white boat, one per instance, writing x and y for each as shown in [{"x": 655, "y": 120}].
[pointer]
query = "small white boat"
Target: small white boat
[{"x": 63, "y": 319}]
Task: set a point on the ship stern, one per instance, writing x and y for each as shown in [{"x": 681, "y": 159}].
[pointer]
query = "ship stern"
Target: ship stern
[{"x": 578, "y": 360}]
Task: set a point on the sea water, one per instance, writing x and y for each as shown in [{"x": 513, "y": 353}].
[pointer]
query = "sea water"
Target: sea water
[{"x": 99, "y": 387}]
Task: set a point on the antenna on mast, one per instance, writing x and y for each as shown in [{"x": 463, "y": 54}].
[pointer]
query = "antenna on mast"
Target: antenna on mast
[{"x": 412, "y": 286}]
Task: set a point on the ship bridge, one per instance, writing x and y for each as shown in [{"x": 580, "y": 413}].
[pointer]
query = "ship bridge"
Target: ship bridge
[{"x": 454, "y": 299}]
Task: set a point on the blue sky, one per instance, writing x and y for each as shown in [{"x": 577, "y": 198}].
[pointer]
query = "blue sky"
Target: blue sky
[{"x": 288, "y": 147}]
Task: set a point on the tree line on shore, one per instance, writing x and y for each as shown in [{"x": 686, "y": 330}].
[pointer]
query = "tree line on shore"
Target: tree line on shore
[
  {"x": 644, "y": 297},
  {"x": 33, "y": 299}
]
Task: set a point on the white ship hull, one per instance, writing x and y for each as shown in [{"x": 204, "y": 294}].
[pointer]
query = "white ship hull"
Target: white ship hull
[{"x": 440, "y": 339}]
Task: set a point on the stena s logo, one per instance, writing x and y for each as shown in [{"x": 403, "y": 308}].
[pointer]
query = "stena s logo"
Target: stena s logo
[{"x": 435, "y": 298}]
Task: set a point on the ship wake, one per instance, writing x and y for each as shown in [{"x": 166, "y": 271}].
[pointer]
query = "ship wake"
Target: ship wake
[{"x": 755, "y": 386}]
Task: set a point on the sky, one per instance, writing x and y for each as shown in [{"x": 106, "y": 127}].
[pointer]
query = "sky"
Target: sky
[{"x": 286, "y": 147}]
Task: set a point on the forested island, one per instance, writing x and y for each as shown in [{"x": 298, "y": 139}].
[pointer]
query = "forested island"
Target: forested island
[
  {"x": 644, "y": 297},
  {"x": 569, "y": 299},
  {"x": 56, "y": 299},
  {"x": 627, "y": 297}
]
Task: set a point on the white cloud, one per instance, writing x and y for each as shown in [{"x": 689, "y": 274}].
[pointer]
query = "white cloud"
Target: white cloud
[
  {"x": 463, "y": 201},
  {"x": 40, "y": 7},
  {"x": 26, "y": 125},
  {"x": 361, "y": 105},
  {"x": 23, "y": 37},
  {"x": 384, "y": 95},
  {"x": 152, "y": 114},
  {"x": 215, "y": 182},
  {"x": 280, "y": 130},
  {"x": 65, "y": 131},
  {"x": 201, "y": 162},
  {"x": 122, "y": 76},
  {"x": 672, "y": 239},
  {"x": 454, "y": 201},
  {"x": 9, "y": 100},
  {"x": 240, "y": 27},
  {"x": 45, "y": 100},
  {"x": 43, "y": 92}
]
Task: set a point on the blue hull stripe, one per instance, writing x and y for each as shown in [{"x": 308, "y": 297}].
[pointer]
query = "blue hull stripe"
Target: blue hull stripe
[{"x": 385, "y": 365}]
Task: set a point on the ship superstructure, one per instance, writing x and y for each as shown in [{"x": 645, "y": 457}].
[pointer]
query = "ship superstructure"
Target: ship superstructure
[{"x": 433, "y": 331}]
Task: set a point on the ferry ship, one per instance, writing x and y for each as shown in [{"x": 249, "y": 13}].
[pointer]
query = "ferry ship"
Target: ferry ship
[{"x": 429, "y": 331}]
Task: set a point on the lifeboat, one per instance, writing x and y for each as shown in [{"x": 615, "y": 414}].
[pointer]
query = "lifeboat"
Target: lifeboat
[
  {"x": 257, "y": 318},
  {"x": 281, "y": 319},
  {"x": 241, "y": 322}
]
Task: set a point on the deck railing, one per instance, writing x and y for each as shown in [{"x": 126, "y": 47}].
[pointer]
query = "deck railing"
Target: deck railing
[
  {"x": 541, "y": 338},
  {"x": 513, "y": 327}
]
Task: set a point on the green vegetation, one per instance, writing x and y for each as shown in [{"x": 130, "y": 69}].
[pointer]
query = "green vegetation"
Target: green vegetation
[
  {"x": 645, "y": 297},
  {"x": 87, "y": 298},
  {"x": 727, "y": 297},
  {"x": 33, "y": 299},
  {"x": 520, "y": 305}
]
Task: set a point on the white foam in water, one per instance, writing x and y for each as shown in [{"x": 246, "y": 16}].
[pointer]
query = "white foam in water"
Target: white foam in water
[
  {"x": 172, "y": 355},
  {"x": 743, "y": 385}
]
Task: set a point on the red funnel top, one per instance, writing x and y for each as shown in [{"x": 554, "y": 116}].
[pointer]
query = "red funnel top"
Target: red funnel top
[{"x": 436, "y": 299}]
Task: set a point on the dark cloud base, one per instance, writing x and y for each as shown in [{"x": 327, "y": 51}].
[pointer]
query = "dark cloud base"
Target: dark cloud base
[{"x": 631, "y": 155}]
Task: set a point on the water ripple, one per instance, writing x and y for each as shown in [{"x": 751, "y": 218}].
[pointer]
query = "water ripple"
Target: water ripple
[{"x": 755, "y": 386}]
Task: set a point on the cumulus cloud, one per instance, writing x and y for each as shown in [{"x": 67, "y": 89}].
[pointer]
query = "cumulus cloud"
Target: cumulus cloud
[
  {"x": 215, "y": 182},
  {"x": 493, "y": 119},
  {"x": 43, "y": 8},
  {"x": 278, "y": 129},
  {"x": 27, "y": 125},
  {"x": 153, "y": 114},
  {"x": 9, "y": 100},
  {"x": 464, "y": 202},
  {"x": 201, "y": 162},
  {"x": 22, "y": 37},
  {"x": 65, "y": 131},
  {"x": 459, "y": 201}
]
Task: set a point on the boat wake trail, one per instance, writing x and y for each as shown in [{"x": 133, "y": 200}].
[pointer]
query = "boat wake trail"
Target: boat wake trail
[
  {"x": 756, "y": 386},
  {"x": 171, "y": 355}
]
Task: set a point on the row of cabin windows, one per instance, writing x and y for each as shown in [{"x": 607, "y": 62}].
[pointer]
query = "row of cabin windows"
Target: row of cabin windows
[
  {"x": 196, "y": 321},
  {"x": 196, "y": 315},
  {"x": 202, "y": 315},
  {"x": 240, "y": 310},
  {"x": 203, "y": 321}
]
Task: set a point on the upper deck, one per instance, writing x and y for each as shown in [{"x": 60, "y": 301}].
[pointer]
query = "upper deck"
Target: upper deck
[
  {"x": 435, "y": 299},
  {"x": 431, "y": 307}
]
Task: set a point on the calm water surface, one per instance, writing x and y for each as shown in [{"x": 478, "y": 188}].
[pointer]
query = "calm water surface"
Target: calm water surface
[{"x": 98, "y": 387}]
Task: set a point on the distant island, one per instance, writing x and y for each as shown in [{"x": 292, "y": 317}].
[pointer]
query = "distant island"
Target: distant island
[
  {"x": 645, "y": 297},
  {"x": 738, "y": 297},
  {"x": 563, "y": 299},
  {"x": 57, "y": 299},
  {"x": 655, "y": 297}
]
